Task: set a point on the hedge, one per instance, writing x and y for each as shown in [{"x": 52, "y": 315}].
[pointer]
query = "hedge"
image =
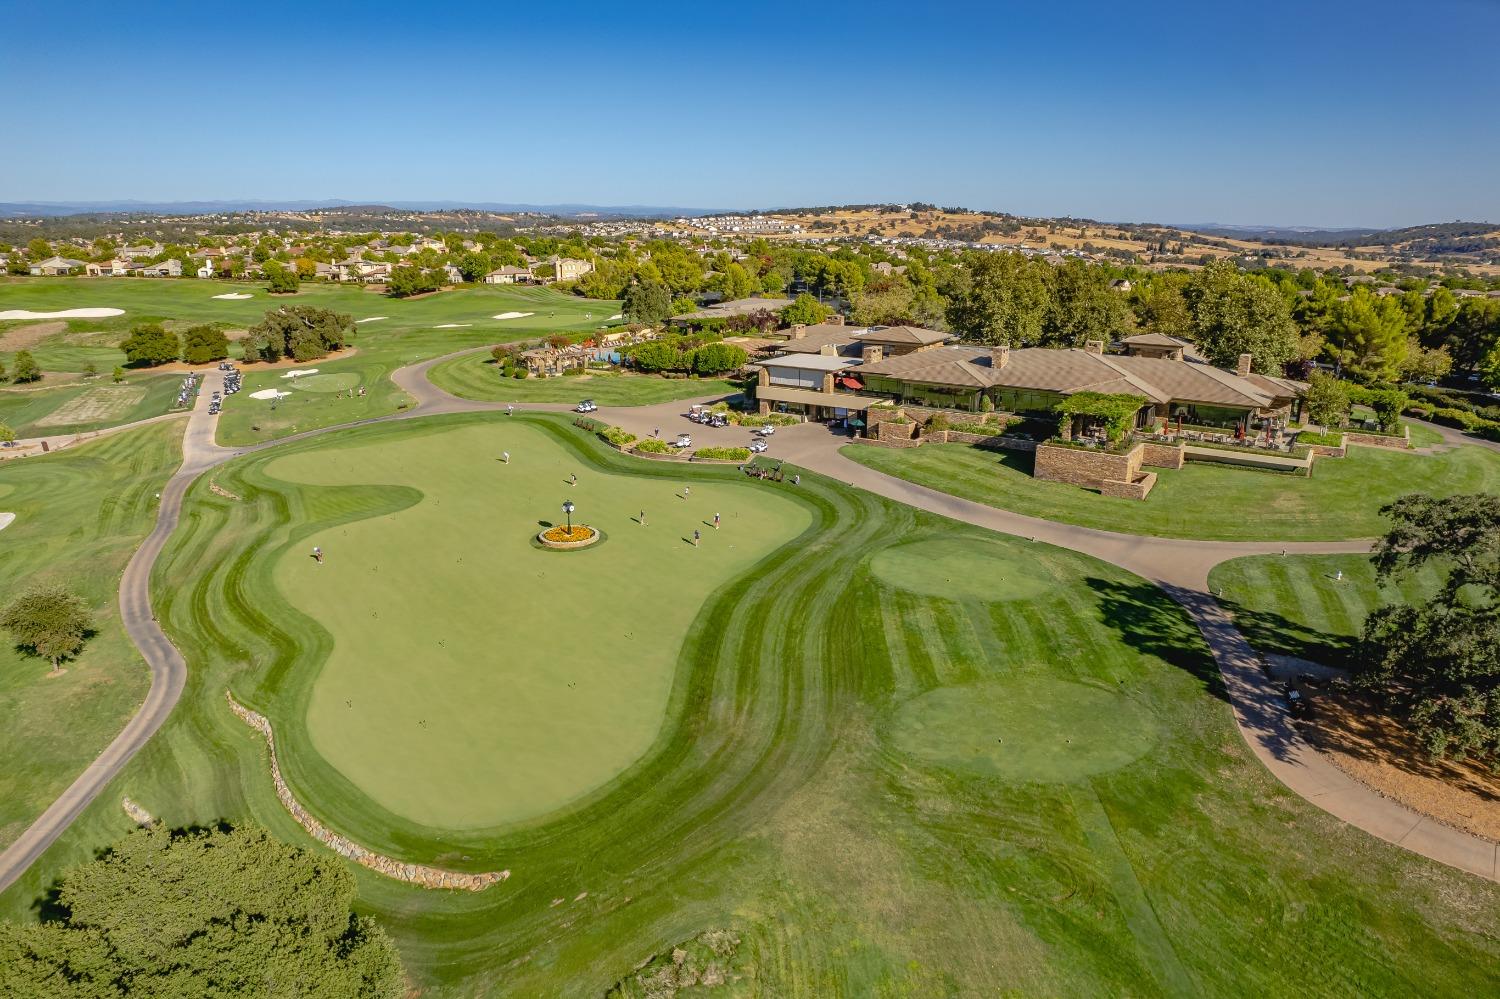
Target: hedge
[
  {"x": 653, "y": 446},
  {"x": 724, "y": 453},
  {"x": 619, "y": 438}
]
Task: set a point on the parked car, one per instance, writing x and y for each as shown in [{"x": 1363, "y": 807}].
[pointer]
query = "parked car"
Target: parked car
[
  {"x": 683, "y": 440},
  {"x": 586, "y": 406}
]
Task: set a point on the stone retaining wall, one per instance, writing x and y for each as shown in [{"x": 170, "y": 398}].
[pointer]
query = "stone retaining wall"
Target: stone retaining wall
[
  {"x": 889, "y": 430},
  {"x": 417, "y": 874},
  {"x": 659, "y": 457},
  {"x": 1328, "y": 450},
  {"x": 1380, "y": 440},
  {"x": 1136, "y": 490},
  {"x": 1086, "y": 467},
  {"x": 1163, "y": 455}
]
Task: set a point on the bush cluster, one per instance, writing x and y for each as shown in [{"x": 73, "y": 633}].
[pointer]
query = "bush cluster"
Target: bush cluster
[
  {"x": 724, "y": 453},
  {"x": 653, "y": 446}
]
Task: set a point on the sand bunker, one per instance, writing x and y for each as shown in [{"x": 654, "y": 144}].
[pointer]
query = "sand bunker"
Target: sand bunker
[
  {"x": 513, "y": 315},
  {"x": 269, "y": 394},
  {"x": 5, "y": 520},
  {"x": 64, "y": 314},
  {"x": 452, "y": 326},
  {"x": 617, "y": 315},
  {"x": 235, "y": 296},
  {"x": 372, "y": 319},
  {"x": 299, "y": 372}
]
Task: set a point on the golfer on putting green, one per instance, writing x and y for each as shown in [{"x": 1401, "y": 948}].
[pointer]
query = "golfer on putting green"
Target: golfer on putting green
[{"x": 696, "y": 536}]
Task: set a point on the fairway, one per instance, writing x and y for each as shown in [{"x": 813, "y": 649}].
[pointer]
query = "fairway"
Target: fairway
[
  {"x": 1342, "y": 499},
  {"x": 476, "y": 376},
  {"x": 475, "y": 679}
]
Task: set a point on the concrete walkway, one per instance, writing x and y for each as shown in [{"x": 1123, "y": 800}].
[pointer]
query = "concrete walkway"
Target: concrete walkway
[{"x": 1179, "y": 567}]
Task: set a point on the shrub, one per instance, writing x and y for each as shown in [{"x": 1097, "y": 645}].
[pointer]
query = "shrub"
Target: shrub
[
  {"x": 986, "y": 404},
  {"x": 1327, "y": 400},
  {"x": 619, "y": 438},
  {"x": 202, "y": 344},
  {"x": 653, "y": 446},
  {"x": 150, "y": 344},
  {"x": 937, "y": 421},
  {"x": 724, "y": 453},
  {"x": 572, "y": 372},
  {"x": 520, "y": 373}
]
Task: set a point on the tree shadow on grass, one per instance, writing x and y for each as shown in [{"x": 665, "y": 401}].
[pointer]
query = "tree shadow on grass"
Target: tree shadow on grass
[
  {"x": 1268, "y": 631},
  {"x": 1151, "y": 622}
]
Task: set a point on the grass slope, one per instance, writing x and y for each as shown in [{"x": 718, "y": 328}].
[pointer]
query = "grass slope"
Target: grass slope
[
  {"x": 1342, "y": 499},
  {"x": 80, "y": 514},
  {"x": 1296, "y": 605},
  {"x": 475, "y": 376},
  {"x": 450, "y": 714},
  {"x": 786, "y": 802}
]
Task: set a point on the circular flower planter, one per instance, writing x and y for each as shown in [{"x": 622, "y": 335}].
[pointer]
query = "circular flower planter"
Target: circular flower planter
[{"x": 560, "y": 539}]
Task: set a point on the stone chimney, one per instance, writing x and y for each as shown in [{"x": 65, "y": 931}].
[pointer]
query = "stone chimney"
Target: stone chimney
[
  {"x": 828, "y": 350},
  {"x": 1093, "y": 346},
  {"x": 999, "y": 356},
  {"x": 870, "y": 353},
  {"x": 1242, "y": 368},
  {"x": 835, "y": 320},
  {"x": 799, "y": 330}
]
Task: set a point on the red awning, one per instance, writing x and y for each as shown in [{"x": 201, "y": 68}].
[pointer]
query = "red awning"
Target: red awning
[{"x": 851, "y": 383}]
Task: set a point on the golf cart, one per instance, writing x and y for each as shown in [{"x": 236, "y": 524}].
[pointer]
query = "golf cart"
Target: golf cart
[
  {"x": 765, "y": 431},
  {"x": 699, "y": 413},
  {"x": 758, "y": 446},
  {"x": 683, "y": 440},
  {"x": 586, "y": 406}
]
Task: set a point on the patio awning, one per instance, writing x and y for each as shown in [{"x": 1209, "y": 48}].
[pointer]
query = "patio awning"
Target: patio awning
[
  {"x": 856, "y": 422},
  {"x": 851, "y": 383}
]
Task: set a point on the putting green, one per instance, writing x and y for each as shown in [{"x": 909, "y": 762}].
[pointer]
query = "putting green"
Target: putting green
[
  {"x": 333, "y": 382},
  {"x": 962, "y": 568},
  {"x": 474, "y": 679},
  {"x": 1029, "y": 728}
]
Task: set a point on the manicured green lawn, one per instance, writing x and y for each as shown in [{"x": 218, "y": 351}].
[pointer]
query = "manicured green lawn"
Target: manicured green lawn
[
  {"x": 79, "y": 515},
  {"x": 1342, "y": 499},
  {"x": 849, "y": 781},
  {"x": 398, "y": 333},
  {"x": 475, "y": 376},
  {"x": 84, "y": 405},
  {"x": 452, "y": 715},
  {"x": 1297, "y": 604}
]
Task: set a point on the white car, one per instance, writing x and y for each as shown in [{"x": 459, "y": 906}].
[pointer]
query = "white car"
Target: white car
[{"x": 758, "y": 447}]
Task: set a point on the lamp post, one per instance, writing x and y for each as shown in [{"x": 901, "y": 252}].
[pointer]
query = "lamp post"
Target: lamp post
[{"x": 568, "y": 509}]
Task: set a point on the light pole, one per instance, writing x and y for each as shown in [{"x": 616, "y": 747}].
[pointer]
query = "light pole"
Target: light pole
[{"x": 568, "y": 509}]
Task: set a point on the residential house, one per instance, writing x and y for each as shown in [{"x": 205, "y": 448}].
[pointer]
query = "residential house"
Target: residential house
[
  {"x": 1121, "y": 284},
  {"x": 110, "y": 268},
  {"x": 170, "y": 267},
  {"x": 510, "y": 275},
  {"x": 55, "y": 265},
  {"x": 568, "y": 269},
  {"x": 452, "y": 275},
  {"x": 325, "y": 272},
  {"x": 143, "y": 251}
]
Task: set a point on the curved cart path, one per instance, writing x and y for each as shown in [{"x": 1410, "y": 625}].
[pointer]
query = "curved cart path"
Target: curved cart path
[{"x": 1178, "y": 566}]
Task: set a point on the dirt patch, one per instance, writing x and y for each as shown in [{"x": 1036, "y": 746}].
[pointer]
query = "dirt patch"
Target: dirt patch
[
  {"x": 28, "y": 336},
  {"x": 102, "y": 403},
  {"x": 250, "y": 367},
  {"x": 1371, "y": 747}
]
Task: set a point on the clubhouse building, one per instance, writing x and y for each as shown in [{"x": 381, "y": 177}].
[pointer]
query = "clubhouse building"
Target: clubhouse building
[{"x": 834, "y": 371}]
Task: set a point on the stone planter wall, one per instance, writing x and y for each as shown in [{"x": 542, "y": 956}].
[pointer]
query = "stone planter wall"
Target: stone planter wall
[
  {"x": 660, "y": 457},
  {"x": 888, "y": 431},
  {"x": 1163, "y": 455},
  {"x": 1401, "y": 442},
  {"x": 1329, "y": 451},
  {"x": 1137, "y": 490},
  {"x": 1086, "y": 467},
  {"x": 417, "y": 874}
]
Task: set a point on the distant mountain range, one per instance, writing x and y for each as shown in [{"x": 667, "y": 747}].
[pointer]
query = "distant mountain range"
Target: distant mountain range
[{"x": 52, "y": 209}]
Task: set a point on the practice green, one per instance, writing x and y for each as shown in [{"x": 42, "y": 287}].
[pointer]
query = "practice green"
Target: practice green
[
  {"x": 475, "y": 679},
  {"x": 961, "y": 568}
]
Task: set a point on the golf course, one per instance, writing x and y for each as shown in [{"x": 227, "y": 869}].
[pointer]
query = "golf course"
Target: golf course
[{"x": 837, "y": 746}]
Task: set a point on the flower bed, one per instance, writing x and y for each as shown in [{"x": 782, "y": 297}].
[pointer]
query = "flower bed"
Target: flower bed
[{"x": 581, "y": 536}]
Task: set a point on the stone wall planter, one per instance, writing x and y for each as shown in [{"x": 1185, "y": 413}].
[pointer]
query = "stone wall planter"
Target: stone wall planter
[{"x": 593, "y": 538}]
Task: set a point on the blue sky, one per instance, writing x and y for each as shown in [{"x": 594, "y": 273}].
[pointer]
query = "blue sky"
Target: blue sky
[{"x": 1314, "y": 113}]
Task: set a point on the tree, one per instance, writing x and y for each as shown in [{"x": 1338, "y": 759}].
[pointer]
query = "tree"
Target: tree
[
  {"x": 408, "y": 280},
  {"x": 213, "y": 914},
  {"x": 1368, "y": 335},
  {"x": 149, "y": 344},
  {"x": 733, "y": 283},
  {"x": 26, "y": 368},
  {"x": 6, "y": 433},
  {"x": 280, "y": 280},
  {"x": 1425, "y": 365},
  {"x": 1165, "y": 312},
  {"x": 1474, "y": 332},
  {"x": 474, "y": 266},
  {"x": 118, "y": 375},
  {"x": 301, "y": 332},
  {"x": 657, "y": 355},
  {"x": 715, "y": 358},
  {"x": 1236, "y": 314},
  {"x": 1083, "y": 307},
  {"x": 806, "y": 311},
  {"x": 1438, "y": 664},
  {"x": 202, "y": 344},
  {"x": 1002, "y": 299},
  {"x": 48, "y": 621},
  {"x": 38, "y": 249},
  {"x": 648, "y": 302},
  {"x": 1327, "y": 400}
]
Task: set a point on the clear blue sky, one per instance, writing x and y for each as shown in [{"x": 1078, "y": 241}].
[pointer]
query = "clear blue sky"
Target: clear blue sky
[{"x": 1324, "y": 112}]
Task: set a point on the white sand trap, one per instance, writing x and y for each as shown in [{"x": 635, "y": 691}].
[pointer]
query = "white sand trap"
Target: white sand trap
[
  {"x": 269, "y": 394},
  {"x": 64, "y": 314},
  {"x": 235, "y": 296},
  {"x": 513, "y": 315},
  {"x": 299, "y": 372},
  {"x": 372, "y": 319},
  {"x": 617, "y": 315},
  {"x": 5, "y": 520},
  {"x": 452, "y": 326}
]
